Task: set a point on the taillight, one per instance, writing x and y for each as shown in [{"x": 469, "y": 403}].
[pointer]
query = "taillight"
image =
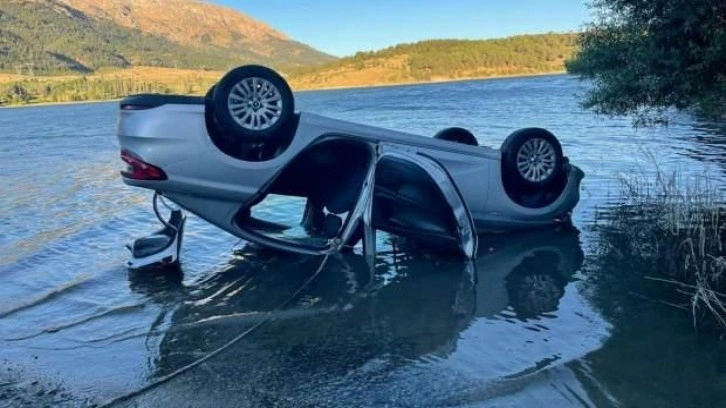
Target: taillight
[
  {"x": 133, "y": 107},
  {"x": 140, "y": 170}
]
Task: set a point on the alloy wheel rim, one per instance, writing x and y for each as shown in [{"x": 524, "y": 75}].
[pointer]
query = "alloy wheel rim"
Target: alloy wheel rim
[
  {"x": 255, "y": 103},
  {"x": 536, "y": 160}
]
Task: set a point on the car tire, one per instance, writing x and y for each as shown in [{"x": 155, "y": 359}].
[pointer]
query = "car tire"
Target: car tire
[
  {"x": 457, "y": 135},
  {"x": 253, "y": 103},
  {"x": 532, "y": 157}
]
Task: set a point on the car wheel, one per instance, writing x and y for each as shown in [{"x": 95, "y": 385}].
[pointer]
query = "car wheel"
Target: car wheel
[
  {"x": 253, "y": 103},
  {"x": 533, "y": 157},
  {"x": 535, "y": 294},
  {"x": 209, "y": 96},
  {"x": 458, "y": 135}
]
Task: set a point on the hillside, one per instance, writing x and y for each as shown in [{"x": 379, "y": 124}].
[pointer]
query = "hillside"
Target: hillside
[
  {"x": 437, "y": 60},
  {"x": 204, "y": 25},
  {"x": 46, "y": 37}
]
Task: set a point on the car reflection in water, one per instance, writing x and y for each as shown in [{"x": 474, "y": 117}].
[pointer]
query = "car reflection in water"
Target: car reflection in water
[{"x": 412, "y": 306}]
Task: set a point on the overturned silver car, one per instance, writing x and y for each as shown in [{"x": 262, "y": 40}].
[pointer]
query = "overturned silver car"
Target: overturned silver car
[{"x": 244, "y": 160}]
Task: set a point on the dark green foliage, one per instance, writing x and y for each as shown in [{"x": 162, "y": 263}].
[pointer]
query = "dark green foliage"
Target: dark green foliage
[
  {"x": 647, "y": 56},
  {"x": 46, "y": 38},
  {"x": 471, "y": 58},
  {"x": 535, "y": 53}
]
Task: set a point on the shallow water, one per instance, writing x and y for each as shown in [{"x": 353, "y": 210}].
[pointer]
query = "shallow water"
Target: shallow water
[{"x": 523, "y": 325}]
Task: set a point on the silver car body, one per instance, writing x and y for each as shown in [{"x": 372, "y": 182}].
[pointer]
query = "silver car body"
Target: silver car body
[{"x": 216, "y": 187}]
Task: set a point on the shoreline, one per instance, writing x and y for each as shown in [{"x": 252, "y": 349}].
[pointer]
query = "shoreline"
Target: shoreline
[
  {"x": 432, "y": 82},
  {"x": 324, "y": 88},
  {"x": 42, "y": 104}
]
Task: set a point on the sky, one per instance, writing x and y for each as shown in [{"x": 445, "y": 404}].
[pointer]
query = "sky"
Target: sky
[{"x": 343, "y": 27}]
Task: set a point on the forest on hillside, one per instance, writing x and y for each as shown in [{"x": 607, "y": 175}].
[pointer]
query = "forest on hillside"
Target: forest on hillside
[
  {"x": 442, "y": 57},
  {"x": 452, "y": 59}
]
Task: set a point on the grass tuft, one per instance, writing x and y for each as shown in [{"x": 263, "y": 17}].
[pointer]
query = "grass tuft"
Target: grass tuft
[{"x": 673, "y": 228}]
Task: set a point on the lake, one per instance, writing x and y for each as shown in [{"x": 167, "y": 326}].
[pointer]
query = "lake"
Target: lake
[{"x": 530, "y": 322}]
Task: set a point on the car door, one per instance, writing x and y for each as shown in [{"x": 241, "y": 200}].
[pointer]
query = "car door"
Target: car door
[{"x": 414, "y": 196}]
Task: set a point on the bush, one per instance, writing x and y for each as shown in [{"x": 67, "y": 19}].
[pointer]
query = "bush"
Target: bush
[{"x": 646, "y": 57}]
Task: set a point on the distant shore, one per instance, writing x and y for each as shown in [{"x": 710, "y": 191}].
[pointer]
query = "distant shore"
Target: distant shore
[
  {"x": 435, "y": 81},
  {"x": 314, "y": 89},
  {"x": 42, "y": 104}
]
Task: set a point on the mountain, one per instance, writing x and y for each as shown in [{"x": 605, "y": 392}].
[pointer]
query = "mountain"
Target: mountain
[
  {"x": 43, "y": 37},
  {"x": 437, "y": 60},
  {"x": 202, "y": 24}
]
